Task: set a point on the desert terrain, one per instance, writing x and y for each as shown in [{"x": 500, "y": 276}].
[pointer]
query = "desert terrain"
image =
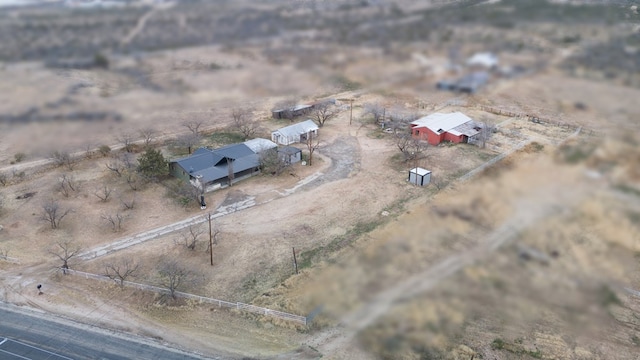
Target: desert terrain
[{"x": 526, "y": 247}]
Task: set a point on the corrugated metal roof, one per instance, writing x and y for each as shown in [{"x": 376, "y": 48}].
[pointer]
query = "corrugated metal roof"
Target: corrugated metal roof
[
  {"x": 468, "y": 128},
  {"x": 298, "y": 129},
  {"x": 234, "y": 151},
  {"x": 200, "y": 159},
  {"x": 289, "y": 150},
  {"x": 212, "y": 164},
  {"x": 294, "y": 108},
  {"x": 257, "y": 145},
  {"x": 439, "y": 122}
]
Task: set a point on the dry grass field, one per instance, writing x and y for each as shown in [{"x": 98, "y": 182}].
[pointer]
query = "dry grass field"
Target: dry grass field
[{"x": 532, "y": 257}]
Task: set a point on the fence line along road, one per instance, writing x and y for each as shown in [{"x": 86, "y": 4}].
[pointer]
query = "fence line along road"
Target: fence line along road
[
  {"x": 164, "y": 230},
  {"x": 202, "y": 299}
]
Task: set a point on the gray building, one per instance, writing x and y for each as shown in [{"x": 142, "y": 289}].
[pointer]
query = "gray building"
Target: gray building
[
  {"x": 289, "y": 154},
  {"x": 213, "y": 168}
]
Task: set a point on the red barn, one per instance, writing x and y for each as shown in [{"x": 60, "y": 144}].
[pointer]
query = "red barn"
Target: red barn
[{"x": 436, "y": 128}]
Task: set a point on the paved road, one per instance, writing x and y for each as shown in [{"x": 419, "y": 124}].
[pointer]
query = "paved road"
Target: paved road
[{"x": 27, "y": 334}]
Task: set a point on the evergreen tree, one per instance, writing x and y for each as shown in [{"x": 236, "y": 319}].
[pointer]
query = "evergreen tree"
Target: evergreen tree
[{"x": 152, "y": 163}]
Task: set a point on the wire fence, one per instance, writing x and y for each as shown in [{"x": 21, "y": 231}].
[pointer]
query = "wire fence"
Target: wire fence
[
  {"x": 201, "y": 299},
  {"x": 535, "y": 119}
]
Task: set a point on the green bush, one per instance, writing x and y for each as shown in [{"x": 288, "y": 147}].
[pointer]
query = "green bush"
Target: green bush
[
  {"x": 101, "y": 61},
  {"x": 104, "y": 150},
  {"x": 19, "y": 157}
]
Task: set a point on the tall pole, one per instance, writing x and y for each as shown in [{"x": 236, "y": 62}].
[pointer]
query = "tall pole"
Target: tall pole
[{"x": 210, "y": 239}]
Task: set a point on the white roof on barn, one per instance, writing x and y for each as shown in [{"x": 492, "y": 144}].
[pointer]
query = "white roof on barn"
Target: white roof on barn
[
  {"x": 439, "y": 122},
  {"x": 298, "y": 129},
  {"x": 485, "y": 59},
  {"x": 257, "y": 145}
]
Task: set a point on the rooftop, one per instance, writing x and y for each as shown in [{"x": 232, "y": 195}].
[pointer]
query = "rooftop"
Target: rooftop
[
  {"x": 439, "y": 122},
  {"x": 299, "y": 128}
]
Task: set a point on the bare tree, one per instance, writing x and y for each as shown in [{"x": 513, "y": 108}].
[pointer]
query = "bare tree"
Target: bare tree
[
  {"x": 376, "y": 110},
  {"x": 410, "y": 147},
  {"x": 103, "y": 193},
  {"x": 486, "y": 130},
  {"x": 64, "y": 158},
  {"x": 67, "y": 184},
  {"x": 402, "y": 141},
  {"x": 324, "y": 112},
  {"x": 127, "y": 141},
  {"x": 186, "y": 192},
  {"x": 114, "y": 220},
  {"x": 120, "y": 163},
  {"x": 134, "y": 180},
  {"x": 128, "y": 204},
  {"x": 399, "y": 117},
  {"x": 148, "y": 135},
  {"x": 189, "y": 141},
  {"x": 121, "y": 269},
  {"x": 173, "y": 276},
  {"x": 216, "y": 230},
  {"x": 115, "y": 165},
  {"x": 243, "y": 122},
  {"x": 53, "y": 213},
  {"x": 311, "y": 146},
  {"x": 193, "y": 126},
  {"x": 88, "y": 150},
  {"x": 4, "y": 253},
  {"x": 271, "y": 162},
  {"x": 189, "y": 238},
  {"x": 65, "y": 250}
]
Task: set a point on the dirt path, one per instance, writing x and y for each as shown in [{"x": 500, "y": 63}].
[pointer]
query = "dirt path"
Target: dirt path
[
  {"x": 531, "y": 210},
  {"x": 143, "y": 20}
]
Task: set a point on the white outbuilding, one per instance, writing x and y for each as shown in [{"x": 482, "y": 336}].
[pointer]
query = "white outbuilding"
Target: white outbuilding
[
  {"x": 419, "y": 176},
  {"x": 295, "y": 133}
]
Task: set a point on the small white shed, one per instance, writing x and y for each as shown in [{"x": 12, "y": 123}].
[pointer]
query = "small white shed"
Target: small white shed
[{"x": 419, "y": 176}]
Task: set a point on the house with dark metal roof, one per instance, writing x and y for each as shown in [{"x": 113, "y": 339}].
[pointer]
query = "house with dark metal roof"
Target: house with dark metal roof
[{"x": 217, "y": 168}]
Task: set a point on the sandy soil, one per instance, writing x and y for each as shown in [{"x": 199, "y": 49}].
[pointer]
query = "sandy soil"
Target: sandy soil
[{"x": 360, "y": 178}]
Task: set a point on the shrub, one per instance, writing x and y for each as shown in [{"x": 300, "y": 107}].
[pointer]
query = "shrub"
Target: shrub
[{"x": 104, "y": 150}]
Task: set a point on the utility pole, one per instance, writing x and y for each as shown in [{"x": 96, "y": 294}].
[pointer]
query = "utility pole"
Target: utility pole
[
  {"x": 350, "y": 107},
  {"x": 295, "y": 261},
  {"x": 210, "y": 239}
]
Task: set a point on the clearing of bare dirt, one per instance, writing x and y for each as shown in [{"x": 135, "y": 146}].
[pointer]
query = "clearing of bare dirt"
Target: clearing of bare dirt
[{"x": 523, "y": 248}]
